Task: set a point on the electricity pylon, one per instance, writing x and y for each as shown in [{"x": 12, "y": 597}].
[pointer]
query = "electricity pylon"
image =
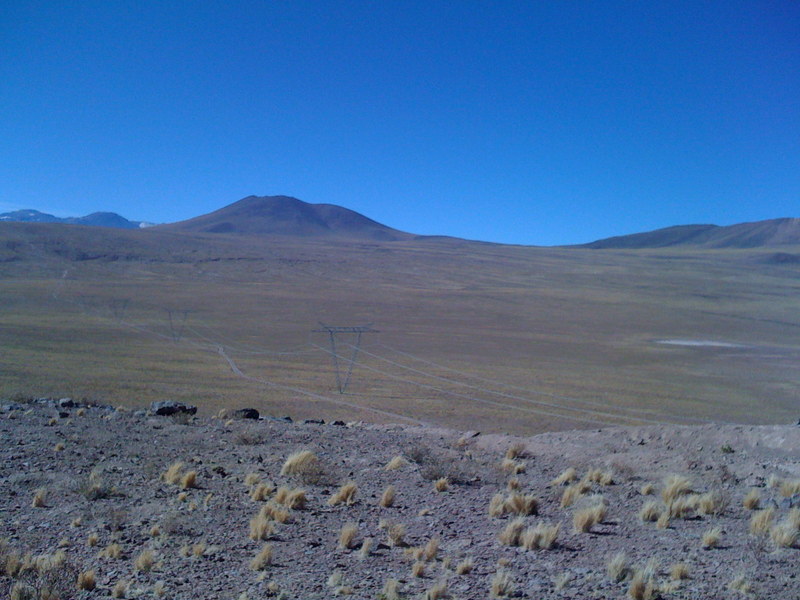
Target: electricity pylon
[{"x": 332, "y": 332}]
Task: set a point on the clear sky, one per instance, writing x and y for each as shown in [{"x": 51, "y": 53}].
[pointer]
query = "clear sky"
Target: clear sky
[{"x": 536, "y": 122}]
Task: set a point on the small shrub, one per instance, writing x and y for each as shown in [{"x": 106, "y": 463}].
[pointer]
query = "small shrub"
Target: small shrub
[
  {"x": 784, "y": 535},
  {"x": 189, "y": 480},
  {"x": 418, "y": 569},
  {"x": 92, "y": 540},
  {"x": 647, "y": 489},
  {"x": 437, "y": 591},
  {"x": 113, "y": 551},
  {"x": 509, "y": 465},
  {"x": 366, "y": 548},
  {"x": 642, "y": 587},
  {"x": 39, "y": 498},
  {"x": 261, "y": 492},
  {"x": 790, "y": 488},
  {"x": 120, "y": 589},
  {"x": 396, "y": 463},
  {"x": 540, "y": 537},
  {"x": 517, "y": 450},
  {"x": 521, "y": 505},
  {"x": 431, "y": 549},
  {"x": 712, "y": 503},
  {"x": 663, "y": 520},
  {"x": 740, "y": 584},
  {"x": 390, "y": 590},
  {"x": 573, "y": 492},
  {"x": 497, "y": 506},
  {"x": 261, "y": 528},
  {"x": 173, "y": 473},
  {"x": 303, "y": 463},
  {"x": 396, "y": 533},
  {"x": 585, "y": 519},
  {"x": 441, "y": 484}
]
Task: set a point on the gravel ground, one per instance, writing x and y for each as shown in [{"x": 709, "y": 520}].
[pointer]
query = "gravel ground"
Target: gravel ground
[{"x": 101, "y": 470}]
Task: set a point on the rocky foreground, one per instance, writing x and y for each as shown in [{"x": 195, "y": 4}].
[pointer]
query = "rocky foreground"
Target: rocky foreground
[{"x": 94, "y": 504}]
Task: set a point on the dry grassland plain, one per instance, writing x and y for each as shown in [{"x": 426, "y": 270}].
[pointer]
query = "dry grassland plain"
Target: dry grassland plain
[{"x": 471, "y": 335}]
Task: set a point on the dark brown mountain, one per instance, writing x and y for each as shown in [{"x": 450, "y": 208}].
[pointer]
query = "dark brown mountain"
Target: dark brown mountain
[
  {"x": 284, "y": 215},
  {"x": 770, "y": 233}
]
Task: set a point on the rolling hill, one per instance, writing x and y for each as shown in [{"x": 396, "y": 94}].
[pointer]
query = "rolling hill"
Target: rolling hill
[
  {"x": 768, "y": 234},
  {"x": 97, "y": 219}
]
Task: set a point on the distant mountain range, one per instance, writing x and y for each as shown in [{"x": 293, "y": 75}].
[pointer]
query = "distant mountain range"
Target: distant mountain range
[
  {"x": 98, "y": 219},
  {"x": 287, "y": 216}
]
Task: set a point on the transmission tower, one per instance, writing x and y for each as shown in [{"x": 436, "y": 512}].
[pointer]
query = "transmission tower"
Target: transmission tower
[{"x": 355, "y": 333}]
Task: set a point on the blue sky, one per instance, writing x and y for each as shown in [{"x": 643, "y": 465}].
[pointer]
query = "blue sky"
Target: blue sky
[{"x": 519, "y": 122}]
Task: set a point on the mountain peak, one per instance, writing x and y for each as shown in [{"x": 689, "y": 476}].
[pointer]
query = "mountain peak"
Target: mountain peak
[{"x": 286, "y": 215}]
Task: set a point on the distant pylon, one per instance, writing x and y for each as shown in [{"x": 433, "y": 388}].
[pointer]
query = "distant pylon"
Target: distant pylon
[{"x": 332, "y": 332}]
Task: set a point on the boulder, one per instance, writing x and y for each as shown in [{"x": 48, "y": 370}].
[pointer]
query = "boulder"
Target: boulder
[
  {"x": 166, "y": 408},
  {"x": 246, "y": 413}
]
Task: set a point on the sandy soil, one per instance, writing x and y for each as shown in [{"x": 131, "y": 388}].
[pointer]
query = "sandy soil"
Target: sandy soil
[{"x": 105, "y": 484}]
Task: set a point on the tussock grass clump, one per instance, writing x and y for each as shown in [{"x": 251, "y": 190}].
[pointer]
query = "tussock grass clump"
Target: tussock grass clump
[
  {"x": 642, "y": 587},
  {"x": 120, "y": 589},
  {"x": 511, "y": 535},
  {"x": 683, "y": 507},
  {"x": 59, "y": 447},
  {"x": 790, "y": 488},
  {"x": 793, "y": 517},
  {"x": 274, "y": 511},
  {"x": 263, "y": 559},
  {"x": 436, "y": 592},
  {"x": 752, "y": 500},
  {"x": 112, "y": 551},
  {"x": 497, "y": 506},
  {"x": 366, "y": 548},
  {"x": 761, "y": 521},
  {"x": 347, "y": 535},
  {"x": 712, "y": 503},
  {"x": 252, "y": 479},
  {"x": 586, "y": 518},
  {"x": 784, "y": 535},
  {"x": 540, "y": 537},
  {"x": 294, "y": 499},
  {"x": 390, "y": 590},
  {"x": 679, "y": 571},
  {"x": 173, "y": 473},
  {"x": 431, "y": 549},
  {"x": 518, "y": 504},
  {"x": 740, "y": 584},
  {"x": 39, "y": 498},
  {"x": 617, "y": 567},
  {"x": 344, "y": 495},
  {"x": 513, "y": 484},
  {"x": 663, "y": 520},
  {"x": 396, "y": 463},
  {"x": 517, "y": 450},
  {"x": 568, "y": 476},
  {"x": 145, "y": 561},
  {"x": 502, "y": 585},
  {"x": 261, "y": 492},
  {"x": 189, "y": 480},
  {"x": 87, "y": 580},
  {"x": 442, "y": 484},
  {"x": 301, "y": 463},
  {"x": 711, "y": 538},
  {"x": 674, "y": 487},
  {"x": 387, "y": 497},
  {"x": 647, "y": 489},
  {"x": 418, "y": 569},
  {"x": 599, "y": 476},
  {"x": 261, "y": 528},
  {"x": 651, "y": 511},
  {"x": 396, "y": 534},
  {"x": 465, "y": 566},
  {"x": 92, "y": 540},
  {"x": 573, "y": 492},
  {"x": 509, "y": 465}
]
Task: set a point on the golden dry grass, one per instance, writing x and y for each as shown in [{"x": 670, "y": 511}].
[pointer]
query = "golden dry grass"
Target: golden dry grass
[
  {"x": 761, "y": 521},
  {"x": 586, "y": 518},
  {"x": 752, "y": 500},
  {"x": 651, "y": 511},
  {"x": 647, "y": 489},
  {"x": 573, "y": 492},
  {"x": 679, "y": 571},
  {"x": 366, "y": 548},
  {"x": 261, "y": 492},
  {"x": 617, "y": 567},
  {"x": 39, "y": 498},
  {"x": 396, "y": 463},
  {"x": 396, "y": 533},
  {"x": 299, "y": 463},
  {"x": 347, "y": 535},
  {"x": 522, "y": 505},
  {"x": 87, "y": 580},
  {"x": 346, "y": 494},
  {"x": 511, "y": 535},
  {"x": 642, "y": 587},
  {"x": 120, "y": 589},
  {"x": 442, "y": 484},
  {"x": 263, "y": 559},
  {"x": 261, "y": 528},
  {"x": 145, "y": 561},
  {"x": 113, "y": 550},
  {"x": 418, "y": 569},
  {"x": 497, "y": 506},
  {"x": 784, "y": 535},
  {"x": 173, "y": 473},
  {"x": 567, "y": 476},
  {"x": 189, "y": 480},
  {"x": 502, "y": 584},
  {"x": 465, "y": 566},
  {"x": 674, "y": 487},
  {"x": 711, "y": 538},
  {"x": 543, "y": 536},
  {"x": 387, "y": 497},
  {"x": 516, "y": 450}
]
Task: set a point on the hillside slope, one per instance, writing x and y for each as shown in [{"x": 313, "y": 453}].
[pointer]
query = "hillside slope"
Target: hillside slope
[{"x": 769, "y": 233}]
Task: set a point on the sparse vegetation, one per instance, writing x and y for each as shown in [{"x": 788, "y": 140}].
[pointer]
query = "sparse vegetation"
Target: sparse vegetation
[
  {"x": 502, "y": 584},
  {"x": 711, "y": 537},
  {"x": 347, "y": 535},
  {"x": 263, "y": 559},
  {"x": 387, "y": 497},
  {"x": 752, "y": 501},
  {"x": 345, "y": 495}
]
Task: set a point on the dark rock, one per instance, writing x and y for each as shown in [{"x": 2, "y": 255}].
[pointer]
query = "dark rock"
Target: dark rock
[
  {"x": 166, "y": 408},
  {"x": 63, "y": 414},
  {"x": 246, "y": 413},
  {"x": 65, "y": 403},
  {"x": 339, "y": 423},
  {"x": 313, "y": 422}
]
